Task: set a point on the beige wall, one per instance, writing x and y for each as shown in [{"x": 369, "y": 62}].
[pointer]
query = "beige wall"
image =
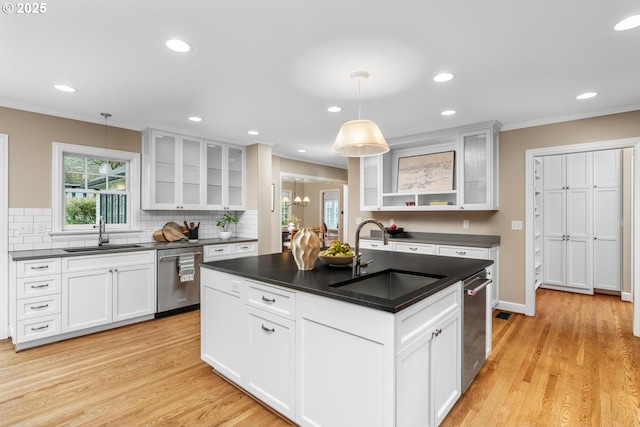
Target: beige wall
[
  {"x": 30, "y": 149},
  {"x": 513, "y": 145}
]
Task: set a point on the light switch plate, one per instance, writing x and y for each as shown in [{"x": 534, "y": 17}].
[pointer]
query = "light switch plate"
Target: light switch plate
[
  {"x": 516, "y": 225},
  {"x": 24, "y": 230},
  {"x": 465, "y": 224}
]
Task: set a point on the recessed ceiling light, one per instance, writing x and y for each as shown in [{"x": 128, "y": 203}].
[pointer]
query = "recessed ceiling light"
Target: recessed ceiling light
[
  {"x": 628, "y": 23},
  {"x": 253, "y": 132},
  {"x": 586, "y": 95},
  {"x": 64, "y": 88},
  {"x": 302, "y": 150},
  {"x": 334, "y": 109},
  {"x": 195, "y": 119},
  {"x": 443, "y": 77},
  {"x": 448, "y": 112},
  {"x": 178, "y": 46}
]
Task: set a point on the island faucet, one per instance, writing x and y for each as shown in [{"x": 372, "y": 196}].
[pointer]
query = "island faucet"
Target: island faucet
[
  {"x": 357, "y": 263},
  {"x": 102, "y": 237}
]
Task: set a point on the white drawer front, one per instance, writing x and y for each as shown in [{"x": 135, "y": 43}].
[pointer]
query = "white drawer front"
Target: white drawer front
[
  {"x": 30, "y": 308},
  {"x": 40, "y": 285},
  {"x": 37, "y": 267},
  {"x": 417, "y": 320},
  {"x": 41, "y": 327},
  {"x": 221, "y": 281},
  {"x": 245, "y": 249},
  {"x": 416, "y": 248},
  {"x": 464, "y": 252},
  {"x": 212, "y": 252},
  {"x": 272, "y": 300},
  {"x": 373, "y": 244},
  {"x": 92, "y": 262}
]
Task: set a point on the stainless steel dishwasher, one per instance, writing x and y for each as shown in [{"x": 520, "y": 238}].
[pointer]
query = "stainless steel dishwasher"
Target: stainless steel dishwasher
[
  {"x": 474, "y": 324},
  {"x": 178, "y": 278}
]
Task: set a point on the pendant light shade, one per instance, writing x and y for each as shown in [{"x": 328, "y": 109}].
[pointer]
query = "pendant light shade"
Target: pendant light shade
[{"x": 359, "y": 138}]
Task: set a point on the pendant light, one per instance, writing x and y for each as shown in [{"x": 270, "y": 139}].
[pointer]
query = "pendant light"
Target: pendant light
[
  {"x": 105, "y": 167},
  {"x": 359, "y": 138}
]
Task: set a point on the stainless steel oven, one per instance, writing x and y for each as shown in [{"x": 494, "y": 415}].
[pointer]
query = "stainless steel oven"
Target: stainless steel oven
[
  {"x": 474, "y": 326},
  {"x": 178, "y": 278}
]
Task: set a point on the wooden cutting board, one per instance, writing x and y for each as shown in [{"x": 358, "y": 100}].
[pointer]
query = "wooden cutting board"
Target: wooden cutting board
[
  {"x": 158, "y": 236},
  {"x": 173, "y": 232}
]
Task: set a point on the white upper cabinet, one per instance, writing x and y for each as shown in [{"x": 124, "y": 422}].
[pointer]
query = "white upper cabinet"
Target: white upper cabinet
[
  {"x": 225, "y": 176},
  {"x": 452, "y": 169},
  {"x": 182, "y": 172}
]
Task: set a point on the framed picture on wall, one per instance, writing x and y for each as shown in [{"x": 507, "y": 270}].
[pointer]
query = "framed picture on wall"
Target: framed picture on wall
[{"x": 427, "y": 172}]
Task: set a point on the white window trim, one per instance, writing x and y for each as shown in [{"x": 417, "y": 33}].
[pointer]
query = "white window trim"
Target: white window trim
[{"x": 58, "y": 195}]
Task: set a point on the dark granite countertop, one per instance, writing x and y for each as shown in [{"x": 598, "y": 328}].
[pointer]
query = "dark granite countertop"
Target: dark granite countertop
[
  {"x": 280, "y": 269},
  {"x": 58, "y": 253},
  {"x": 470, "y": 240}
]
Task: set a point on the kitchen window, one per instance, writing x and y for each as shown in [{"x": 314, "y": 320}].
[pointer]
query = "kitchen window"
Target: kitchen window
[{"x": 82, "y": 194}]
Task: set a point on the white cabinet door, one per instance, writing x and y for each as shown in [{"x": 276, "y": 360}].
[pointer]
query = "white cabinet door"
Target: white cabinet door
[
  {"x": 134, "y": 291},
  {"x": 190, "y": 174},
  {"x": 477, "y": 170},
  {"x": 607, "y": 231},
  {"x": 270, "y": 374},
  {"x": 554, "y": 261},
  {"x": 446, "y": 369},
  {"x": 607, "y": 168},
  {"x": 554, "y": 172},
  {"x": 160, "y": 156},
  {"x": 413, "y": 390},
  {"x": 579, "y": 171},
  {"x": 225, "y": 176},
  {"x": 86, "y": 299},
  {"x": 223, "y": 324},
  {"x": 371, "y": 183}
]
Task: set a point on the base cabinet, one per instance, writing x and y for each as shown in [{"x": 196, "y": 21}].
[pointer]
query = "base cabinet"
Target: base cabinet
[
  {"x": 61, "y": 298},
  {"x": 324, "y": 362}
]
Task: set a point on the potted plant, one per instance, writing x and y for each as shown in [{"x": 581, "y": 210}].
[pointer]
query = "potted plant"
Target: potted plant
[{"x": 224, "y": 222}]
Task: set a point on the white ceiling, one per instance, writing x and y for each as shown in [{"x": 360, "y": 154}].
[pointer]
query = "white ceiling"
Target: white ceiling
[{"x": 275, "y": 66}]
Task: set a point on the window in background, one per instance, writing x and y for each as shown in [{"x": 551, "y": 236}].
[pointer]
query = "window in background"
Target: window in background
[
  {"x": 82, "y": 194},
  {"x": 285, "y": 211},
  {"x": 331, "y": 209}
]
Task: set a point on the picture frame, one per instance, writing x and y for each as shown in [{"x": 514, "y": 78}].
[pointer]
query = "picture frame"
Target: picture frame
[{"x": 426, "y": 173}]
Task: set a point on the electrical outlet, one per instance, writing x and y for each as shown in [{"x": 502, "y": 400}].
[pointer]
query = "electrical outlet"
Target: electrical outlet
[
  {"x": 358, "y": 221},
  {"x": 516, "y": 225},
  {"x": 465, "y": 223},
  {"x": 39, "y": 228},
  {"x": 24, "y": 230}
]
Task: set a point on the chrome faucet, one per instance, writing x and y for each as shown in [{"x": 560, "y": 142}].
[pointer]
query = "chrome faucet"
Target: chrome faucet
[
  {"x": 102, "y": 237},
  {"x": 357, "y": 263}
]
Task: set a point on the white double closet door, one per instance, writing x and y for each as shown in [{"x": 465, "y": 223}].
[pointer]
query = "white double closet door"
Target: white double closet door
[{"x": 582, "y": 221}]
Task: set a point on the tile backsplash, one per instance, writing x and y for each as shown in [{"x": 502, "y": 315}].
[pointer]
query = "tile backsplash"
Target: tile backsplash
[{"x": 29, "y": 228}]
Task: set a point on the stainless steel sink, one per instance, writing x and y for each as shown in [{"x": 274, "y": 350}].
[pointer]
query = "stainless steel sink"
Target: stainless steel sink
[
  {"x": 388, "y": 284},
  {"x": 100, "y": 248}
]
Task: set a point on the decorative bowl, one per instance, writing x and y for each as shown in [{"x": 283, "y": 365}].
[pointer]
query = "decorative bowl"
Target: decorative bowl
[
  {"x": 392, "y": 231},
  {"x": 336, "y": 260}
]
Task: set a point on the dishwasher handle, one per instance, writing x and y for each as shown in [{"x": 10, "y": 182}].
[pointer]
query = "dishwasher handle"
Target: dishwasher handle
[
  {"x": 472, "y": 292},
  {"x": 178, "y": 255}
]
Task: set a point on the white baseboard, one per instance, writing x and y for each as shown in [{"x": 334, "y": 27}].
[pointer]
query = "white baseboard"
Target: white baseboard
[
  {"x": 511, "y": 306},
  {"x": 626, "y": 296}
]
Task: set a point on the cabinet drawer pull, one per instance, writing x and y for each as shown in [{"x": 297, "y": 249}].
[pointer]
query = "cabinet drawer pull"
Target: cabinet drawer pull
[
  {"x": 269, "y": 300},
  {"x": 270, "y": 330},
  {"x": 374, "y": 245},
  {"x": 39, "y": 328},
  {"x": 461, "y": 252},
  {"x": 39, "y": 267},
  {"x": 413, "y": 248},
  {"x": 244, "y": 247},
  {"x": 436, "y": 332},
  {"x": 219, "y": 250},
  {"x": 45, "y": 285},
  {"x": 38, "y": 307}
]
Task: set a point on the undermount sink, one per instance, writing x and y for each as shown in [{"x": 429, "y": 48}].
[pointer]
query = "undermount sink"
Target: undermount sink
[
  {"x": 388, "y": 284},
  {"x": 100, "y": 248}
]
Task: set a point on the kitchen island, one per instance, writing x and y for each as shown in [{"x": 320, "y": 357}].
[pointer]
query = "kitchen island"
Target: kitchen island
[{"x": 322, "y": 353}]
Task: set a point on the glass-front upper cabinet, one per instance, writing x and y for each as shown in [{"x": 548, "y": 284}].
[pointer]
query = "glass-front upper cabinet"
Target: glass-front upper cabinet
[
  {"x": 172, "y": 171},
  {"x": 479, "y": 151},
  {"x": 225, "y": 166},
  {"x": 371, "y": 183}
]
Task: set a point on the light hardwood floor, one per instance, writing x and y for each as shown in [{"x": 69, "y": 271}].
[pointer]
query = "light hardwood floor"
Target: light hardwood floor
[{"x": 575, "y": 364}]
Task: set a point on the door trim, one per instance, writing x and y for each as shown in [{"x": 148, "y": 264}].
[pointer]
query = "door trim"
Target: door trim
[
  {"x": 530, "y": 300},
  {"x": 4, "y": 243}
]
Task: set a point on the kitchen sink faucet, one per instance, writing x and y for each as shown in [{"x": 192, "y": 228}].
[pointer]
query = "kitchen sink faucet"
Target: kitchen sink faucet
[
  {"x": 102, "y": 237},
  {"x": 357, "y": 263}
]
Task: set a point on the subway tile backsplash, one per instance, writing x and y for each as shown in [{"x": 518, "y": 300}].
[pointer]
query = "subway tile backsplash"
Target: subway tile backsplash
[{"x": 29, "y": 228}]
